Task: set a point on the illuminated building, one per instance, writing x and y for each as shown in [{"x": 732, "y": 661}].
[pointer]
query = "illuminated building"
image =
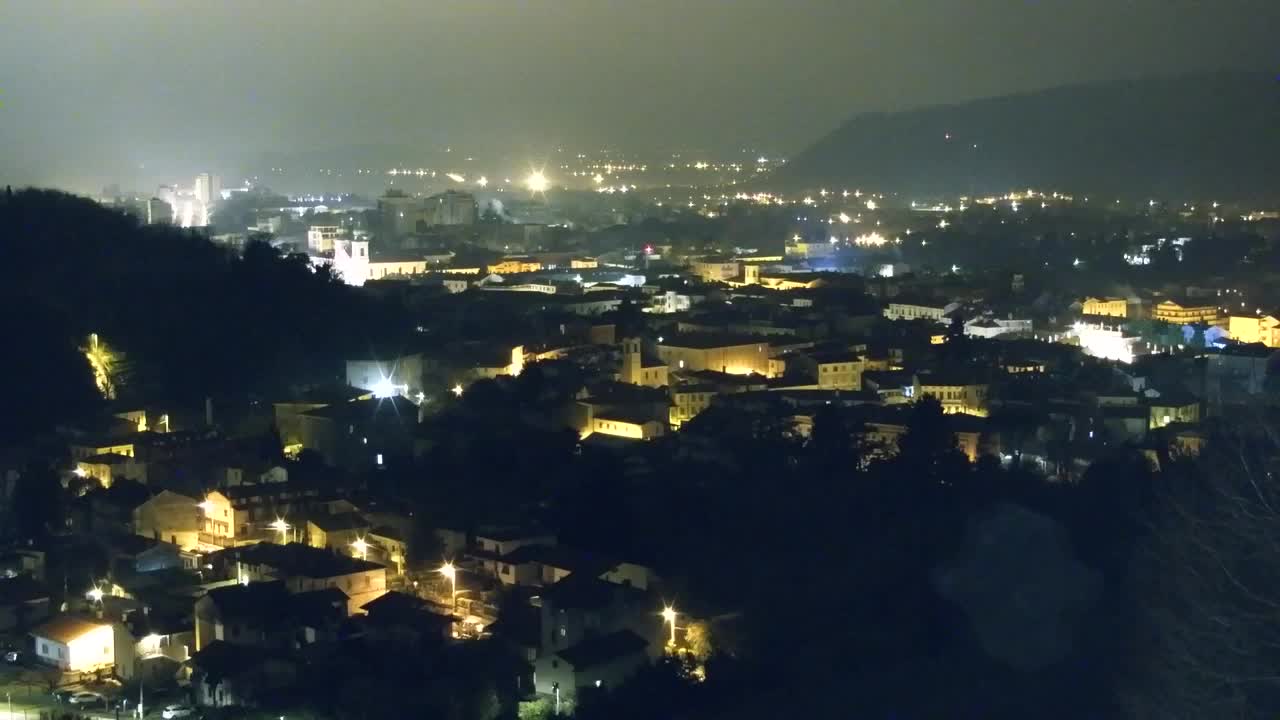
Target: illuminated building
[
  {"x": 918, "y": 310},
  {"x": 509, "y": 265},
  {"x": 75, "y": 644},
  {"x": 85, "y": 449},
  {"x": 304, "y": 569},
  {"x": 1105, "y": 343},
  {"x": 1186, "y": 312},
  {"x": 956, "y": 394},
  {"x": 809, "y": 250},
  {"x": 793, "y": 281},
  {"x": 583, "y": 263},
  {"x": 712, "y": 269},
  {"x": 1173, "y": 408},
  {"x": 636, "y": 370},
  {"x": 1105, "y": 307},
  {"x": 173, "y": 518},
  {"x": 320, "y": 238},
  {"x": 208, "y": 189},
  {"x": 838, "y": 370},
  {"x": 687, "y": 401},
  {"x": 738, "y": 355},
  {"x": 337, "y": 531},
  {"x": 635, "y": 427},
  {"x": 109, "y": 467},
  {"x": 353, "y": 263},
  {"x": 1250, "y": 329}
]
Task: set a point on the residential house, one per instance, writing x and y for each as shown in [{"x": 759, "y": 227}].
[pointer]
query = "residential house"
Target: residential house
[
  {"x": 602, "y": 662},
  {"x": 109, "y": 467},
  {"x": 303, "y": 568},
  {"x": 268, "y": 615},
  {"x": 362, "y": 434},
  {"x": 78, "y": 644},
  {"x": 958, "y": 392},
  {"x": 225, "y": 674},
  {"x": 407, "y": 619}
]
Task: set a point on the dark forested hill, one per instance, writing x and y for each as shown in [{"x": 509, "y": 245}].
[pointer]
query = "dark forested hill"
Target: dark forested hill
[
  {"x": 1200, "y": 136},
  {"x": 192, "y": 318}
]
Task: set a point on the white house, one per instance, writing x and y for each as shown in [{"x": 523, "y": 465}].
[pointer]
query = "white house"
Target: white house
[{"x": 78, "y": 644}]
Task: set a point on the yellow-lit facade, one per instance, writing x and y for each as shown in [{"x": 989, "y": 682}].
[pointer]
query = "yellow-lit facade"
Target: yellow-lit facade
[
  {"x": 912, "y": 311},
  {"x": 627, "y": 428},
  {"x": 90, "y": 649},
  {"x": 80, "y": 452},
  {"x": 783, "y": 282},
  {"x": 715, "y": 270},
  {"x": 1105, "y": 307},
  {"x": 969, "y": 398},
  {"x": 583, "y": 263},
  {"x": 1263, "y": 329},
  {"x": 686, "y": 404},
  {"x": 1171, "y": 311},
  {"x": 1169, "y": 413},
  {"x": 841, "y": 375},
  {"x": 634, "y": 369},
  {"x": 515, "y": 265},
  {"x": 217, "y": 520},
  {"x": 734, "y": 358}
]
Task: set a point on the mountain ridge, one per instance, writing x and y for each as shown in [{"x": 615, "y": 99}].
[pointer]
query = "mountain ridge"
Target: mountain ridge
[{"x": 1193, "y": 136}]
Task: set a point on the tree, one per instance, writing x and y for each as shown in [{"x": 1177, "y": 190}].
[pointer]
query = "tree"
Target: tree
[
  {"x": 697, "y": 637},
  {"x": 37, "y": 500},
  {"x": 1209, "y": 594}
]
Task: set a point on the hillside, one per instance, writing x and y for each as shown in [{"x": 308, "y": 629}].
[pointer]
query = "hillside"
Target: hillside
[{"x": 1199, "y": 136}]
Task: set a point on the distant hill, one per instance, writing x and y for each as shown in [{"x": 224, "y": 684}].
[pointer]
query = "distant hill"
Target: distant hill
[{"x": 1196, "y": 136}]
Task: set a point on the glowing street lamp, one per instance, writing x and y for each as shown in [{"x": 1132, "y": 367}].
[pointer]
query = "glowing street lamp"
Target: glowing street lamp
[
  {"x": 669, "y": 616},
  {"x": 359, "y": 545},
  {"x": 537, "y": 182},
  {"x": 457, "y": 390},
  {"x": 95, "y": 594},
  {"x": 451, "y": 572},
  {"x": 281, "y": 527}
]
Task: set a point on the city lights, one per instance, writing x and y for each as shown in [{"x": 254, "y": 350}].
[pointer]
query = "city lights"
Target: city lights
[
  {"x": 361, "y": 547},
  {"x": 282, "y": 527}
]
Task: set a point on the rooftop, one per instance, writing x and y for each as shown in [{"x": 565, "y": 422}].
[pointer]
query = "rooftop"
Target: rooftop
[
  {"x": 703, "y": 341},
  {"x": 66, "y": 628},
  {"x": 296, "y": 559},
  {"x": 341, "y": 521}
]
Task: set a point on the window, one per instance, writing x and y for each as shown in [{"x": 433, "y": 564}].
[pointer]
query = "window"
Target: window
[
  {"x": 44, "y": 648},
  {"x": 59, "y": 653}
]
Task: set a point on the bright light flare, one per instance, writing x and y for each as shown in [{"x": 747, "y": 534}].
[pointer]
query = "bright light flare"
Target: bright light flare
[
  {"x": 95, "y": 594},
  {"x": 537, "y": 182},
  {"x": 455, "y": 177}
]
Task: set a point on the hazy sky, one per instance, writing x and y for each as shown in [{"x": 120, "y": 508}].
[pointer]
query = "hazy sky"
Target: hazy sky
[{"x": 93, "y": 90}]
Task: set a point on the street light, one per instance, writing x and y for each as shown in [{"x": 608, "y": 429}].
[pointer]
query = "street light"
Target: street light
[
  {"x": 457, "y": 390},
  {"x": 281, "y": 527},
  {"x": 451, "y": 572},
  {"x": 359, "y": 545},
  {"x": 94, "y": 594},
  {"x": 669, "y": 616}
]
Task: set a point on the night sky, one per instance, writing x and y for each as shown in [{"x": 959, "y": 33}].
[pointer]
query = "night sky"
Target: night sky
[{"x": 92, "y": 91}]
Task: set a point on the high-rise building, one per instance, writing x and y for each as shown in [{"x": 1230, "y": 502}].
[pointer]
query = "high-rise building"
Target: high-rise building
[
  {"x": 208, "y": 188},
  {"x": 451, "y": 208},
  {"x": 320, "y": 237},
  {"x": 158, "y": 211},
  {"x": 400, "y": 213}
]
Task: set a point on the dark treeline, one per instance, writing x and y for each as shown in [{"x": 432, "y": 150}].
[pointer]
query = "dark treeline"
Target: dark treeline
[{"x": 193, "y": 318}]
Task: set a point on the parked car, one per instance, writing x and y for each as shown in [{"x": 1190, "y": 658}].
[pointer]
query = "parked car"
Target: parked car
[
  {"x": 62, "y": 695},
  {"x": 172, "y": 712},
  {"x": 85, "y": 698}
]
